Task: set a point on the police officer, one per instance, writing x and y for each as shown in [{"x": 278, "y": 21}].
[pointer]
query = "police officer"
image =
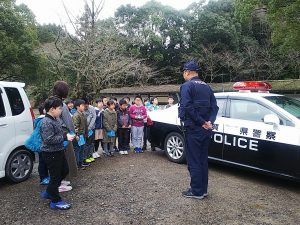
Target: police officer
[{"x": 197, "y": 111}]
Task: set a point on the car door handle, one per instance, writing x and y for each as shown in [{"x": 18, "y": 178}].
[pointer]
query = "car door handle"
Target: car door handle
[{"x": 3, "y": 125}]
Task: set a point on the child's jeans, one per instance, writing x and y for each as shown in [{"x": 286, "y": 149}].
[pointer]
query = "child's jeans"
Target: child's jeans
[
  {"x": 79, "y": 151},
  {"x": 123, "y": 139},
  {"x": 42, "y": 168},
  {"x": 108, "y": 147},
  {"x": 58, "y": 169},
  {"x": 137, "y": 136},
  {"x": 89, "y": 146},
  {"x": 146, "y": 134}
]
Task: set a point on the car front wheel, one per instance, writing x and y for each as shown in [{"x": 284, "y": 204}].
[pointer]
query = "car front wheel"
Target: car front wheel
[
  {"x": 19, "y": 166},
  {"x": 174, "y": 147}
]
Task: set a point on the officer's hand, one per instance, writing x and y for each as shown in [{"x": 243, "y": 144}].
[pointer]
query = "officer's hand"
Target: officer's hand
[{"x": 207, "y": 125}]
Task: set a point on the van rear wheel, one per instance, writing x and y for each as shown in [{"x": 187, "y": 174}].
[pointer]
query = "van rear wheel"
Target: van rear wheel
[{"x": 19, "y": 166}]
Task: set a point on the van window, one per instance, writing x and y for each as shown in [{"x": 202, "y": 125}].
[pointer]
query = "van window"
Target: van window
[
  {"x": 2, "y": 109},
  {"x": 15, "y": 100}
]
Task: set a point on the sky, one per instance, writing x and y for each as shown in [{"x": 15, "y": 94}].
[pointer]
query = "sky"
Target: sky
[{"x": 52, "y": 11}]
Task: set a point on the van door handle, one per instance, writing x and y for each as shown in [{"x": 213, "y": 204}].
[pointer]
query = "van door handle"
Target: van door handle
[
  {"x": 3, "y": 125},
  {"x": 234, "y": 126}
]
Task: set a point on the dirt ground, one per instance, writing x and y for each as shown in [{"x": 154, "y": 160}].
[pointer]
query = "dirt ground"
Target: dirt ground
[{"x": 146, "y": 189}]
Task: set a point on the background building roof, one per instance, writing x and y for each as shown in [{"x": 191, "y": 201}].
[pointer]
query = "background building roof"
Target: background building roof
[{"x": 283, "y": 86}]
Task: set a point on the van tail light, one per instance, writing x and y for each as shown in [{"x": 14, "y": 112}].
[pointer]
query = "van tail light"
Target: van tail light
[{"x": 32, "y": 116}]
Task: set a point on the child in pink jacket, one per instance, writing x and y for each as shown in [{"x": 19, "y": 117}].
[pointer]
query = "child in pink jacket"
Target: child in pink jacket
[{"x": 137, "y": 113}]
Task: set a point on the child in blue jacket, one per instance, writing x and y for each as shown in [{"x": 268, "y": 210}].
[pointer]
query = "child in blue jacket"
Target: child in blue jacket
[{"x": 98, "y": 126}]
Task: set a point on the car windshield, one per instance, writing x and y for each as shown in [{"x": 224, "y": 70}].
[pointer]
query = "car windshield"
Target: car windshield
[{"x": 288, "y": 104}]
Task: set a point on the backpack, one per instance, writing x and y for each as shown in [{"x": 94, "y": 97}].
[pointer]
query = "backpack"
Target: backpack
[{"x": 34, "y": 142}]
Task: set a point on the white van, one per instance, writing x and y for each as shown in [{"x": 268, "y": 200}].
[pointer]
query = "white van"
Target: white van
[{"x": 16, "y": 125}]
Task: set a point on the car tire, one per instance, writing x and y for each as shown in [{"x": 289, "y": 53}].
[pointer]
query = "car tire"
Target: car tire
[
  {"x": 19, "y": 166},
  {"x": 175, "y": 148}
]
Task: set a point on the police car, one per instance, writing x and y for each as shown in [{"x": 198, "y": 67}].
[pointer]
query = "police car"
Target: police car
[{"x": 256, "y": 130}]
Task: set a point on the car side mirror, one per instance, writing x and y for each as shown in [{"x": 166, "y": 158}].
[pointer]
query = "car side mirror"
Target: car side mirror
[{"x": 271, "y": 119}]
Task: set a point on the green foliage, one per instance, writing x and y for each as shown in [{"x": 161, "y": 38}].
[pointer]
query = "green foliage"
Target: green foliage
[
  {"x": 215, "y": 23},
  {"x": 231, "y": 39},
  {"x": 159, "y": 33},
  {"x": 284, "y": 18},
  {"x": 48, "y": 32},
  {"x": 18, "y": 59}
]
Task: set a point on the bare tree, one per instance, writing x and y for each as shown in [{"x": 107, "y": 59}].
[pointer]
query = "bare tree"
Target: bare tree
[
  {"x": 254, "y": 63},
  {"x": 210, "y": 60},
  {"x": 233, "y": 63},
  {"x": 272, "y": 66},
  {"x": 294, "y": 59},
  {"x": 96, "y": 57}
]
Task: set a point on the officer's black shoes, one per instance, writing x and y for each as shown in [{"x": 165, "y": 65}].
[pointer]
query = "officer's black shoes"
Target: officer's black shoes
[
  {"x": 190, "y": 190},
  {"x": 189, "y": 194}
]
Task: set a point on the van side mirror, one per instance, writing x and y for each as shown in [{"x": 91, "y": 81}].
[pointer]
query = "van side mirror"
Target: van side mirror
[{"x": 271, "y": 119}]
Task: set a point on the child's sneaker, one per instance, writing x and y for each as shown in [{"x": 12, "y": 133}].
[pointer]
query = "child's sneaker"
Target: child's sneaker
[
  {"x": 125, "y": 152},
  {"x": 45, "y": 194},
  {"x": 45, "y": 181},
  {"x": 92, "y": 159},
  {"x": 121, "y": 152},
  {"x": 136, "y": 150},
  {"x": 141, "y": 150},
  {"x": 84, "y": 164},
  {"x": 60, "y": 205},
  {"x": 87, "y": 160},
  {"x": 96, "y": 155},
  {"x": 64, "y": 188},
  {"x": 111, "y": 154},
  {"x": 65, "y": 182}
]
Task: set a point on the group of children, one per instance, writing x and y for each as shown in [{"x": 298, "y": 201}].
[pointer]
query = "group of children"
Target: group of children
[
  {"x": 104, "y": 124},
  {"x": 101, "y": 125},
  {"x": 110, "y": 121}
]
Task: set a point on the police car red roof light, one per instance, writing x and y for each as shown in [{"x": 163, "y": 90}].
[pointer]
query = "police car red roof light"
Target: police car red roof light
[{"x": 260, "y": 86}]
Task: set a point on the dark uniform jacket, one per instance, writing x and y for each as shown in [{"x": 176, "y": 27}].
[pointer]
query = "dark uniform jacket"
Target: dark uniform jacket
[{"x": 197, "y": 103}]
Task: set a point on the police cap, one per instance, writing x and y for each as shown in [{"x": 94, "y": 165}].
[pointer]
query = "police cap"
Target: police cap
[{"x": 191, "y": 66}]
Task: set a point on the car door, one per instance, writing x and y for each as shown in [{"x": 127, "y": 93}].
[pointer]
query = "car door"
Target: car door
[
  {"x": 7, "y": 128},
  {"x": 215, "y": 150},
  {"x": 251, "y": 142}
]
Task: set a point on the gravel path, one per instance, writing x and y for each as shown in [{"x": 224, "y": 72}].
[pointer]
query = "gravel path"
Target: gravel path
[{"x": 146, "y": 189}]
